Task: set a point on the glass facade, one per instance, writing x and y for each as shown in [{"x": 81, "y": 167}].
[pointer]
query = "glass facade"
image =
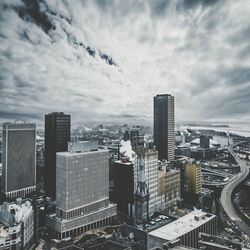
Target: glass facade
[
  {"x": 164, "y": 126},
  {"x": 19, "y": 158},
  {"x": 57, "y": 136}
]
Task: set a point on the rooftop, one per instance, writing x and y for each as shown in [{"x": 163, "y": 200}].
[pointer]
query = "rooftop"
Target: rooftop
[
  {"x": 185, "y": 224},
  {"x": 20, "y": 211},
  {"x": 69, "y": 154},
  {"x": 127, "y": 163},
  {"x": 211, "y": 141},
  {"x": 82, "y": 146}
]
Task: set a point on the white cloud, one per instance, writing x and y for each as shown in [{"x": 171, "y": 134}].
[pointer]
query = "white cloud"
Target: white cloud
[{"x": 188, "y": 51}]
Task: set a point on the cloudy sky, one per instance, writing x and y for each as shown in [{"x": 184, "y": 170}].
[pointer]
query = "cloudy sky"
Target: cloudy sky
[{"x": 105, "y": 60}]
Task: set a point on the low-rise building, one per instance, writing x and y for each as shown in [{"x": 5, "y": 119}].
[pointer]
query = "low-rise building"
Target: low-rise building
[
  {"x": 169, "y": 185},
  {"x": 212, "y": 242},
  {"x": 186, "y": 229},
  {"x": 16, "y": 225}
]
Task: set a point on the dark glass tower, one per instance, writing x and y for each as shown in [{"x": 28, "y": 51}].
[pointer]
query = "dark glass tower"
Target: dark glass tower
[
  {"x": 57, "y": 136},
  {"x": 164, "y": 126},
  {"x": 19, "y": 159},
  {"x": 137, "y": 140}
]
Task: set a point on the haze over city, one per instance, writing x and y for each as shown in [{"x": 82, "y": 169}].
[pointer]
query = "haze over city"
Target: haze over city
[{"x": 105, "y": 60}]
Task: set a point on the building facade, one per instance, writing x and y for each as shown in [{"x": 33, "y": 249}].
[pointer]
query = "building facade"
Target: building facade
[
  {"x": 16, "y": 225},
  {"x": 148, "y": 158},
  {"x": 141, "y": 199},
  {"x": 204, "y": 142},
  {"x": 193, "y": 178},
  {"x": 169, "y": 185},
  {"x": 19, "y": 159},
  {"x": 57, "y": 136},
  {"x": 134, "y": 136},
  {"x": 82, "y": 193},
  {"x": 124, "y": 186},
  {"x": 164, "y": 126}
]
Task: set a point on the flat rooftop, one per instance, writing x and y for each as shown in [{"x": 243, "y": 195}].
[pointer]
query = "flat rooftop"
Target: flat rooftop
[
  {"x": 70, "y": 154},
  {"x": 3, "y": 231},
  {"x": 182, "y": 226},
  {"x": 127, "y": 163}
]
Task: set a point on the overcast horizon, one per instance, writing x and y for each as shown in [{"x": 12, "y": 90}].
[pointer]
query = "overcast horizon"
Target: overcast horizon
[{"x": 106, "y": 60}]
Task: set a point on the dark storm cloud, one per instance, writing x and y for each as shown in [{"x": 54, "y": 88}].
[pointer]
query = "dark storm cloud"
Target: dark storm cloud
[
  {"x": 194, "y": 3},
  {"x": 236, "y": 76},
  {"x": 38, "y": 12},
  {"x": 158, "y": 7},
  {"x": 12, "y": 115},
  {"x": 240, "y": 37}
]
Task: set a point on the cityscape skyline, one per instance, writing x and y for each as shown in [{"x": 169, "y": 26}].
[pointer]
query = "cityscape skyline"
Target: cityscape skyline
[{"x": 68, "y": 57}]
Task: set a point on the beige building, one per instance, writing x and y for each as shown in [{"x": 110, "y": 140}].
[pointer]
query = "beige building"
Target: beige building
[
  {"x": 193, "y": 178},
  {"x": 169, "y": 185}
]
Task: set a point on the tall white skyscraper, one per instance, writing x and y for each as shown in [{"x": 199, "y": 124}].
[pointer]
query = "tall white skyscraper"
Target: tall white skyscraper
[
  {"x": 19, "y": 159},
  {"x": 148, "y": 158}
]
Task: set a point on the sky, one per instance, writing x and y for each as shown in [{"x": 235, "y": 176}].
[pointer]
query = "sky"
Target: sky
[{"x": 106, "y": 60}]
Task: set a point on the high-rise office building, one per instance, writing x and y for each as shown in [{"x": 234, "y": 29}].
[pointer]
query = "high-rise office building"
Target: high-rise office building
[
  {"x": 148, "y": 158},
  {"x": 134, "y": 136},
  {"x": 124, "y": 186},
  {"x": 164, "y": 126},
  {"x": 57, "y": 136},
  {"x": 193, "y": 178},
  {"x": 19, "y": 159},
  {"x": 82, "y": 191}
]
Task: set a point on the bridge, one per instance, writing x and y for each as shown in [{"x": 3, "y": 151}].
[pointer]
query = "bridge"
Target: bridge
[
  {"x": 216, "y": 173},
  {"x": 226, "y": 194},
  {"x": 216, "y": 184}
]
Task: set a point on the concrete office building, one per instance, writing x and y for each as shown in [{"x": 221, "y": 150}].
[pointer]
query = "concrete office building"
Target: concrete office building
[
  {"x": 164, "y": 126},
  {"x": 169, "y": 185},
  {"x": 148, "y": 158},
  {"x": 193, "y": 178},
  {"x": 57, "y": 136},
  {"x": 19, "y": 159},
  {"x": 16, "y": 225},
  {"x": 186, "y": 229},
  {"x": 82, "y": 192}
]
